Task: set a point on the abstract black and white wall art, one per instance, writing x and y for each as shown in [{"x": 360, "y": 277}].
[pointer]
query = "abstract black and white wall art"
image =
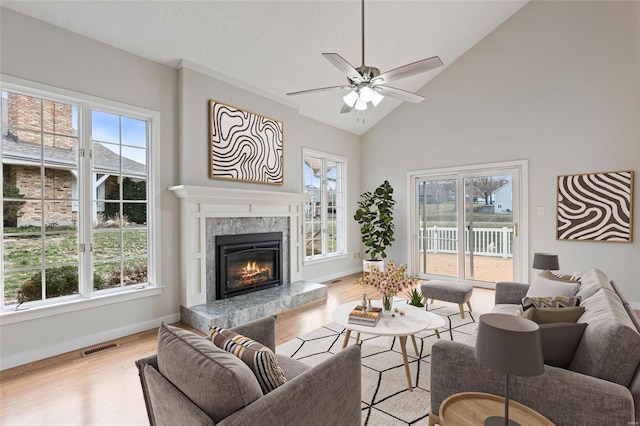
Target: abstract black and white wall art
[
  {"x": 245, "y": 146},
  {"x": 595, "y": 207}
]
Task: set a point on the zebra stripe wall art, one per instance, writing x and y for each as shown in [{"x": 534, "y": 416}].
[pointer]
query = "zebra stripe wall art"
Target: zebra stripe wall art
[
  {"x": 245, "y": 146},
  {"x": 595, "y": 207}
]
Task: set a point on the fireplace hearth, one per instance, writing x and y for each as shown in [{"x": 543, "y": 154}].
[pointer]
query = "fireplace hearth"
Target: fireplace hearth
[{"x": 247, "y": 262}]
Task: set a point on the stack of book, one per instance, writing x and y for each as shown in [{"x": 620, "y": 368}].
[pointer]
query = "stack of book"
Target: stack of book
[{"x": 360, "y": 316}]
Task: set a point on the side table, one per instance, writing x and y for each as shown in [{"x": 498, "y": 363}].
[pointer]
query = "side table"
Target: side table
[{"x": 472, "y": 408}]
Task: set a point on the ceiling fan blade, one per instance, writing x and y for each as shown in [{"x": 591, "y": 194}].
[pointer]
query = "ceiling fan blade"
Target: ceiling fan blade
[
  {"x": 345, "y": 109},
  {"x": 320, "y": 89},
  {"x": 408, "y": 70},
  {"x": 345, "y": 67},
  {"x": 396, "y": 93}
]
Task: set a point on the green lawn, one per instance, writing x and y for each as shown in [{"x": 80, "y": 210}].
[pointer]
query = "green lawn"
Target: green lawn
[{"x": 24, "y": 250}]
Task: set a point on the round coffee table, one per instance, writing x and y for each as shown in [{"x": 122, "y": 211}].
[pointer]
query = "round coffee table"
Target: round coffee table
[{"x": 413, "y": 321}]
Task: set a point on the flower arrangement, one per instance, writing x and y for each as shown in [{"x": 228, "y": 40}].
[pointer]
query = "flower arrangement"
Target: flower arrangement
[{"x": 390, "y": 281}]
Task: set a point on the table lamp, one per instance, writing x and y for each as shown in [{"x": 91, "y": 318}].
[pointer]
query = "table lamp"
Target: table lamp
[
  {"x": 546, "y": 261},
  {"x": 509, "y": 344}
]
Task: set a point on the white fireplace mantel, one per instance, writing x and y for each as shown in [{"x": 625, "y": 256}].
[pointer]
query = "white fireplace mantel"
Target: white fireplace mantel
[{"x": 198, "y": 203}]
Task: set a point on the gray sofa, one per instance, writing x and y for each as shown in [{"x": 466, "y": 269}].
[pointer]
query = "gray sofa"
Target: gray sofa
[
  {"x": 601, "y": 385},
  {"x": 210, "y": 386}
]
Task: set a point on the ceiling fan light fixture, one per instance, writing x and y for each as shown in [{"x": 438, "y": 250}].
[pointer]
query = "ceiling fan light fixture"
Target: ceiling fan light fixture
[
  {"x": 360, "y": 105},
  {"x": 376, "y": 98},
  {"x": 366, "y": 94},
  {"x": 351, "y": 98}
]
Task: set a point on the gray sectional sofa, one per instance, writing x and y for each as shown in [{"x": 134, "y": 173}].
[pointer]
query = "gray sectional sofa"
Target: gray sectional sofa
[{"x": 600, "y": 386}]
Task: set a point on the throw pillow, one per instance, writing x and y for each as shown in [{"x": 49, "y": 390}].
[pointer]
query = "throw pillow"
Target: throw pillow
[
  {"x": 544, "y": 287},
  {"x": 550, "y": 302},
  {"x": 549, "y": 315},
  {"x": 560, "y": 341},
  {"x": 559, "y": 277},
  {"x": 216, "y": 381},
  {"x": 259, "y": 358}
]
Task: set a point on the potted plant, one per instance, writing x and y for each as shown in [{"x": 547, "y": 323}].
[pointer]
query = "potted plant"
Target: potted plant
[{"x": 375, "y": 216}]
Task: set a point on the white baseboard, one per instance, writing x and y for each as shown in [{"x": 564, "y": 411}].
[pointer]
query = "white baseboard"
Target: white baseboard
[{"x": 83, "y": 342}]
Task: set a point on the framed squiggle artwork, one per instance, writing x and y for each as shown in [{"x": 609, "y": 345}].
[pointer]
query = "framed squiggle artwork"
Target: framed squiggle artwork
[
  {"x": 245, "y": 146},
  {"x": 595, "y": 207}
]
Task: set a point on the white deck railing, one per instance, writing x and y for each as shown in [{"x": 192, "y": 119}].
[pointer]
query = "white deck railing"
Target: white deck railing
[{"x": 497, "y": 242}]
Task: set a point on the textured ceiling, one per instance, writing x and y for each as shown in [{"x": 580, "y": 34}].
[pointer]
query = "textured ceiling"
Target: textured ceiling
[{"x": 275, "y": 47}]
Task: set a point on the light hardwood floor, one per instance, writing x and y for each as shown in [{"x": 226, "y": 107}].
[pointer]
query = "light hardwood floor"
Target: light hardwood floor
[{"x": 104, "y": 389}]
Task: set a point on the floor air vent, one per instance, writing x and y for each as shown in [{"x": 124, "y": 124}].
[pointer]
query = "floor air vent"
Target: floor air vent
[{"x": 98, "y": 349}]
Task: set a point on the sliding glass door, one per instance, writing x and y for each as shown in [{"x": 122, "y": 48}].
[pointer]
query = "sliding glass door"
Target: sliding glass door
[{"x": 465, "y": 225}]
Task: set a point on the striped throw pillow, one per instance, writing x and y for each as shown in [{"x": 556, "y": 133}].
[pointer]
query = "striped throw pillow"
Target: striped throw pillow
[
  {"x": 259, "y": 358},
  {"x": 550, "y": 302}
]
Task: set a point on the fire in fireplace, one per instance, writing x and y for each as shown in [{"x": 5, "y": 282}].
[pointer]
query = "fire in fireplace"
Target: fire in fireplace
[{"x": 247, "y": 262}]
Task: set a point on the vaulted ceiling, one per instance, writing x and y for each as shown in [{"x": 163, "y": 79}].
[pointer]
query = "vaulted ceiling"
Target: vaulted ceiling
[{"x": 275, "y": 47}]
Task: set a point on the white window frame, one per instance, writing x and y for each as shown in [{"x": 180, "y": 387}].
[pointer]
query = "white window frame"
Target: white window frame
[
  {"x": 341, "y": 231},
  {"x": 87, "y": 297}
]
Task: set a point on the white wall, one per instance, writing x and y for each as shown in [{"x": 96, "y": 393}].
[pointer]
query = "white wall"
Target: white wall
[
  {"x": 45, "y": 54},
  {"x": 557, "y": 84},
  {"x": 196, "y": 88}
]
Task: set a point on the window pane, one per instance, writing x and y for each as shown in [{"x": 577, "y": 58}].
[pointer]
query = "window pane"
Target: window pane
[
  {"x": 134, "y": 242},
  {"x": 134, "y": 160},
  {"x": 134, "y": 132},
  {"x": 106, "y": 245},
  {"x": 24, "y": 112},
  {"x": 59, "y": 118},
  {"x": 107, "y": 275},
  {"x": 13, "y": 286},
  {"x": 60, "y": 151},
  {"x": 105, "y": 127},
  {"x": 134, "y": 213},
  {"x": 134, "y": 189},
  {"x": 135, "y": 271},
  {"x": 106, "y": 156},
  {"x": 22, "y": 250},
  {"x": 61, "y": 247},
  {"x": 61, "y": 281}
]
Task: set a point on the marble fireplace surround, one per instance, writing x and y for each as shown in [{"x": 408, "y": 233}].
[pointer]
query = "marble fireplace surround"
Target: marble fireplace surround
[{"x": 208, "y": 211}]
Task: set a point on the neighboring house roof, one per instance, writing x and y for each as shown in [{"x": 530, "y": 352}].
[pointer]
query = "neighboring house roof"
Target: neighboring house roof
[
  {"x": 502, "y": 188},
  {"x": 15, "y": 151}
]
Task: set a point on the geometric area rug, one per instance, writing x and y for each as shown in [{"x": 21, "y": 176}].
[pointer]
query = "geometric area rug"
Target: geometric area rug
[{"x": 386, "y": 401}]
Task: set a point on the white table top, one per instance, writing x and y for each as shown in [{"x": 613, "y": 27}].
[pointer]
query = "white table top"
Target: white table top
[{"x": 413, "y": 321}]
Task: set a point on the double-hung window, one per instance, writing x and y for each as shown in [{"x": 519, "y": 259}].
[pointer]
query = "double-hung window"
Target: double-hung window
[
  {"x": 77, "y": 212},
  {"x": 324, "y": 224}
]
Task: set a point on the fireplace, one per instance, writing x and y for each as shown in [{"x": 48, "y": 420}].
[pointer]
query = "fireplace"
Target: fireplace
[{"x": 247, "y": 263}]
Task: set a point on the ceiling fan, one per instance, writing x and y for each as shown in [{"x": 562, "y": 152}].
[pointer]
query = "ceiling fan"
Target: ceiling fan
[{"x": 366, "y": 84}]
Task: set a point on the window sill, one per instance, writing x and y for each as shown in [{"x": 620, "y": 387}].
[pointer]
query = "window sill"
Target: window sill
[
  {"x": 324, "y": 259},
  {"x": 27, "y": 313}
]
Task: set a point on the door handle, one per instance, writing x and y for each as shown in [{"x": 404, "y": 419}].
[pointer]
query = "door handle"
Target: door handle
[{"x": 515, "y": 229}]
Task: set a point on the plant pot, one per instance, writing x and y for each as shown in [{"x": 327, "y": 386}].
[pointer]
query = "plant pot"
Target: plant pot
[{"x": 367, "y": 264}]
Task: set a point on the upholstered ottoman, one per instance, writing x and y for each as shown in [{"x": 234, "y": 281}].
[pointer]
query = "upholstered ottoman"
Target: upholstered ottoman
[{"x": 447, "y": 291}]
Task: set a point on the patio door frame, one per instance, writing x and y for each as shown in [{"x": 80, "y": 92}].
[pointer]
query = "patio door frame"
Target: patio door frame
[{"x": 520, "y": 218}]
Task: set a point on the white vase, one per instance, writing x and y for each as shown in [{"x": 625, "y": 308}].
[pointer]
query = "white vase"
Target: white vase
[{"x": 367, "y": 264}]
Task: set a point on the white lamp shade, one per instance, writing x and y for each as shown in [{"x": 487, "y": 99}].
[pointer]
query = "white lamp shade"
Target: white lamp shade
[
  {"x": 377, "y": 98},
  {"x": 360, "y": 105},
  {"x": 366, "y": 94},
  {"x": 350, "y": 98}
]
